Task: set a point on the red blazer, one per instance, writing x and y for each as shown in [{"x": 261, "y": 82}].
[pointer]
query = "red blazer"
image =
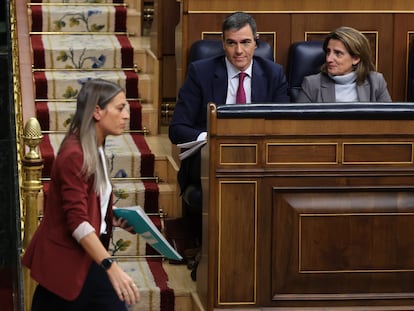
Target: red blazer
[{"x": 56, "y": 260}]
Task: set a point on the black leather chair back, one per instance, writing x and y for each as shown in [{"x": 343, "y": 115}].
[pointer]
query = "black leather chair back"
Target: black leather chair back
[
  {"x": 210, "y": 48},
  {"x": 305, "y": 58}
]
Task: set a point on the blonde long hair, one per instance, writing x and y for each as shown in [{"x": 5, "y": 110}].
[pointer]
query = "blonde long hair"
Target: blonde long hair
[{"x": 96, "y": 92}]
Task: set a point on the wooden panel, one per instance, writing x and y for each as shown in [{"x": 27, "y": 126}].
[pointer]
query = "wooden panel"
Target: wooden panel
[
  {"x": 237, "y": 248},
  {"x": 332, "y": 248},
  {"x": 378, "y": 153},
  {"x": 302, "y": 153},
  {"x": 297, "y": 5},
  {"x": 404, "y": 24},
  {"x": 168, "y": 77},
  {"x": 234, "y": 154},
  {"x": 162, "y": 35},
  {"x": 342, "y": 242}
]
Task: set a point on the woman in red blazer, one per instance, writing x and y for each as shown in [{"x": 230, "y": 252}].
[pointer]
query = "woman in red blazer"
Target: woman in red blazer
[{"x": 68, "y": 254}]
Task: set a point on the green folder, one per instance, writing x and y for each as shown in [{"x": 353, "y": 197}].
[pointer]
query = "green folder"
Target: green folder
[{"x": 143, "y": 225}]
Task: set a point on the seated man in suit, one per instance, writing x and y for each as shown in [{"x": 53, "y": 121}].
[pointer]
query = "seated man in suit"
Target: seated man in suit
[{"x": 217, "y": 80}]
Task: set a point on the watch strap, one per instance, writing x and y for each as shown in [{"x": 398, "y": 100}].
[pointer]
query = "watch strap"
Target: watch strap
[{"x": 106, "y": 263}]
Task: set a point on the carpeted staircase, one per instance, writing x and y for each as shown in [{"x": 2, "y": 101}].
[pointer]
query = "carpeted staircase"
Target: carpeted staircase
[{"x": 73, "y": 41}]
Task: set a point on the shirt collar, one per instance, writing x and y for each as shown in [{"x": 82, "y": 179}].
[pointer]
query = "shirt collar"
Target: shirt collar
[
  {"x": 345, "y": 79},
  {"x": 233, "y": 71}
]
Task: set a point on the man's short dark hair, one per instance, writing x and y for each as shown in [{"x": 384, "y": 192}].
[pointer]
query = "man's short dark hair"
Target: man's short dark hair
[{"x": 238, "y": 20}]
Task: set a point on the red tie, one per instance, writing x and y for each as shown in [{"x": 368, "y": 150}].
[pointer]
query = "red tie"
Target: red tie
[{"x": 241, "y": 95}]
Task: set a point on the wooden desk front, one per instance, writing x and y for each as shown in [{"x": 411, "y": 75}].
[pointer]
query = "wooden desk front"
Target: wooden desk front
[{"x": 308, "y": 208}]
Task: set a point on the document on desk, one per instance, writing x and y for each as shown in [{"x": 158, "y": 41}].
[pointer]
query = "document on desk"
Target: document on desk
[
  {"x": 144, "y": 226},
  {"x": 190, "y": 147}
]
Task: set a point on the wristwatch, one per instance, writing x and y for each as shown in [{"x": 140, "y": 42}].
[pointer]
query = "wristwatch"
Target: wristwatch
[{"x": 107, "y": 263}]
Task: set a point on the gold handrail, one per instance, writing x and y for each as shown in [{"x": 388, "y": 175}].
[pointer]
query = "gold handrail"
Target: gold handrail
[
  {"x": 81, "y": 33},
  {"x": 77, "y": 4},
  {"x": 135, "y": 69},
  {"x": 144, "y": 131},
  {"x": 122, "y": 179},
  {"x": 52, "y": 100},
  {"x": 18, "y": 121},
  {"x": 32, "y": 165}
]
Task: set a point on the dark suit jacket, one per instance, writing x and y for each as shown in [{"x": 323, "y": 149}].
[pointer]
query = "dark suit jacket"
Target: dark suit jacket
[
  {"x": 56, "y": 260},
  {"x": 206, "y": 82}
]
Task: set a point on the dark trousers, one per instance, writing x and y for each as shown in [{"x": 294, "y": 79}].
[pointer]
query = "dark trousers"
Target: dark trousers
[
  {"x": 97, "y": 295},
  {"x": 193, "y": 206}
]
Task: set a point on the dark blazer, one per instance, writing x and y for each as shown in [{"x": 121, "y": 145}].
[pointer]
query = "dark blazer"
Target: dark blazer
[
  {"x": 320, "y": 88},
  {"x": 56, "y": 260},
  {"x": 206, "y": 81}
]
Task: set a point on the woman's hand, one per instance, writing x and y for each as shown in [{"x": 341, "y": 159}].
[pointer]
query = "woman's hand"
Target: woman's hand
[
  {"x": 123, "y": 223},
  {"x": 123, "y": 284}
]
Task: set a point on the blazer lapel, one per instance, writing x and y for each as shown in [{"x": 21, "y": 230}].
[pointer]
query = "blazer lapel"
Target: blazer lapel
[
  {"x": 220, "y": 84},
  {"x": 363, "y": 91},
  {"x": 258, "y": 86},
  {"x": 327, "y": 89}
]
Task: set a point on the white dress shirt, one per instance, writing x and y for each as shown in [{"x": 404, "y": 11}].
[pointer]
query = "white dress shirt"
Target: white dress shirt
[{"x": 233, "y": 83}]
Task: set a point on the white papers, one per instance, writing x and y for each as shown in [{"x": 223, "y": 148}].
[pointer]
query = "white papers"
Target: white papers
[{"x": 190, "y": 147}]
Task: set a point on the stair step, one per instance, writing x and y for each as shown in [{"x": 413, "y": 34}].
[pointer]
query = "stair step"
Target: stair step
[
  {"x": 64, "y": 84},
  {"x": 141, "y": 46},
  {"x": 135, "y": 193},
  {"x": 78, "y": 18},
  {"x": 161, "y": 146},
  {"x": 82, "y": 52},
  {"x": 150, "y": 118},
  {"x": 168, "y": 200},
  {"x": 166, "y": 168},
  {"x": 185, "y": 289},
  {"x": 54, "y": 13},
  {"x": 133, "y": 22},
  {"x": 133, "y": 4},
  {"x": 149, "y": 279},
  {"x": 146, "y": 87}
]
